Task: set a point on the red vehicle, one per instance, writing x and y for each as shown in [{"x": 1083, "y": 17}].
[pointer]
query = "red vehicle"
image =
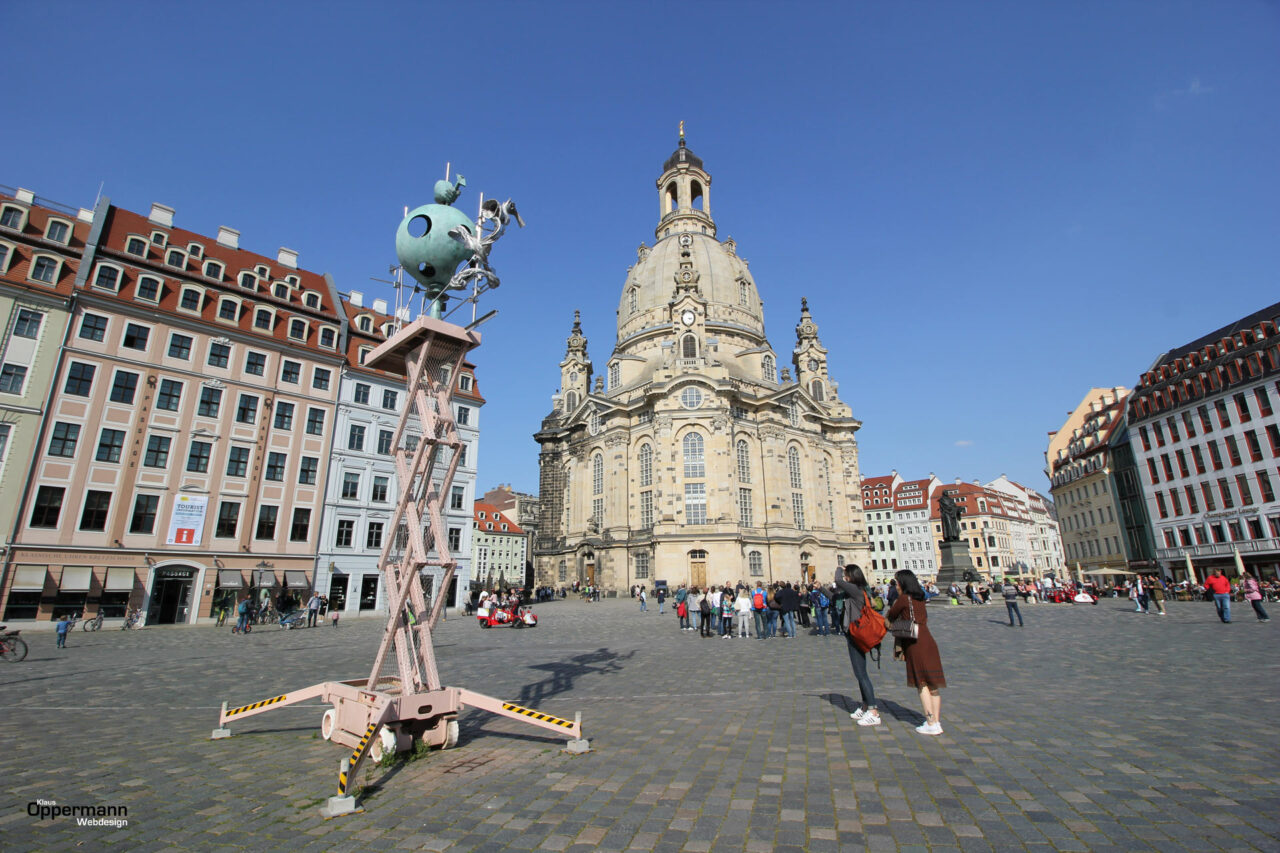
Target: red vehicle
[{"x": 496, "y": 616}]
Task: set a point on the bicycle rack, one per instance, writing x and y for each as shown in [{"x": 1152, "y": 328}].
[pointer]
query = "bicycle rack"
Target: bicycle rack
[{"x": 388, "y": 713}]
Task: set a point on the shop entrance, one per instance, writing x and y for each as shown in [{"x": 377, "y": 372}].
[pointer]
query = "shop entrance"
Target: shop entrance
[
  {"x": 338, "y": 592},
  {"x": 171, "y": 596},
  {"x": 369, "y": 592}
]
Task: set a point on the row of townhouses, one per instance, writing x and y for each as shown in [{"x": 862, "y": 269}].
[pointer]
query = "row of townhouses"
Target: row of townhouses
[
  {"x": 1180, "y": 473},
  {"x": 1010, "y": 529},
  {"x": 184, "y": 421}
]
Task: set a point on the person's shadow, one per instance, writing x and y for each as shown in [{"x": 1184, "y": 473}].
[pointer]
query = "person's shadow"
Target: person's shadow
[{"x": 899, "y": 712}]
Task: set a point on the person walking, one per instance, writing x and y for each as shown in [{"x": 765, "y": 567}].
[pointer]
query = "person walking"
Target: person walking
[
  {"x": 704, "y": 614},
  {"x": 851, "y": 581},
  {"x": 313, "y": 609},
  {"x": 774, "y": 610},
  {"x": 713, "y": 596},
  {"x": 742, "y": 607},
  {"x": 1252, "y": 591},
  {"x": 644, "y": 601},
  {"x": 726, "y": 612},
  {"x": 242, "y": 615},
  {"x": 788, "y": 602},
  {"x": 661, "y": 594},
  {"x": 63, "y": 626},
  {"x": 1155, "y": 589},
  {"x": 1218, "y": 585},
  {"x": 1011, "y": 602},
  {"x": 924, "y": 664}
]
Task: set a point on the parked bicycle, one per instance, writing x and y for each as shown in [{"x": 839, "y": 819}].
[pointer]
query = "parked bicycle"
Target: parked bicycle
[
  {"x": 267, "y": 615},
  {"x": 92, "y": 624},
  {"x": 221, "y": 618},
  {"x": 133, "y": 619},
  {"x": 12, "y": 647}
]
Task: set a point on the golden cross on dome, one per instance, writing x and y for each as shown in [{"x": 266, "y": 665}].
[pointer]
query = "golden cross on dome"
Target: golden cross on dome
[{"x": 682, "y": 128}]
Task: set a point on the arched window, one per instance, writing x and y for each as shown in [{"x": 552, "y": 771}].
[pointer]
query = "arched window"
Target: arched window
[
  {"x": 793, "y": 412},
  {"x": 755, "y": 564},
  {"x": 571, "y": 401},
  {"x": 642, "y": 566},
  {"x": 689, "y": 347},
  {"x": 633, "y": 300},
  {"x": 646, "y": 465},
  {"x": 744, "y": 462},
  {"x": 695, "y": 465},
  {"x": 695, "y": 193},
  {"x": 815, "y": 388},
  {"x": 615, "y": 376},
  {"x": 562, "y": 572},
  {"x": 744, "y": 293},
  {"x": 826, "y": 472},
  {"x": 767, "y": 368},
  {"x": 793, "y": 465},
  {"x": 672, "y": 196},
  {"x": 597, "y": 474},
  {"x": 593, "y": 423}
]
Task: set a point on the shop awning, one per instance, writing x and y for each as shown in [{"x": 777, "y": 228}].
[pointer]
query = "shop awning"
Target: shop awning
[
  {"x": 75, "y": 579},
  {"x": 297, "y": 580},
  {"x": 230, "y": 579},
  {"x": 264, "y": 578},
  {"x": 119, "y": 580},
  {"x": 29, "y": 578}
]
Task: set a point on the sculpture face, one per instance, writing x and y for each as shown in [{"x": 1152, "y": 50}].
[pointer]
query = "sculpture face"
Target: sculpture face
[{"x": 425, "y": 248}]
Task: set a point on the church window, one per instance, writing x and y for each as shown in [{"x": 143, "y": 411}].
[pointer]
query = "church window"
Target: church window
[
  {"x": 793, "y": 463},
  {"x": 597, "y": 474},
  {"x": 695, "y": 503},
  {"x": 695, "y": 466},
  {"x": 744, "y": 462},
  {"x": 646, "y": 509},
  {"x": 615, "y": 376},
  {"x": 744, "y": 507},
  {"x": 691, "y": 398},
  {"x": 755, "y": 564},
  {"x": 633, "y": 300},
  {"x": 689, "y": 347},
  {"x": 562, "y": 572},
  {"x": 646, "y": 465},
  {"x": 571, "y": 401},
  {"x": 793, "y": 412},
  {"x": 826, "y": 473},
  {"x": 642, "y": 566},
  {"x": 597, "y": 510},
  {"x": 744, "y": 293},
  {"x": 797, "y": 508},
  {"x": 767, "y": 368},
  {"x": 594, "y": 423},
  {"x": 815, "y": 388}
]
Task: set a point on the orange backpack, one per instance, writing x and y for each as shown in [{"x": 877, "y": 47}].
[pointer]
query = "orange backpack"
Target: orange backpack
[{"x": 867, "y": 628}]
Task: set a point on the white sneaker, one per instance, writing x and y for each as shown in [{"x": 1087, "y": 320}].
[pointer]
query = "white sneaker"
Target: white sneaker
[
  {"x": 930, "y": 729},
  {"x": 859, "y": 714},
  {"x": 871, "y": 718}
]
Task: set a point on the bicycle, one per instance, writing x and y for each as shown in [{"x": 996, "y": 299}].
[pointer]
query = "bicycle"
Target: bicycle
[
  {"x": 12, "y": 647},
  {"x": 133, "y": 620},
  {"x": 222, "y": 618},
  {"x": 93, "y": 624},
  {"x": 267, "y": 615}
]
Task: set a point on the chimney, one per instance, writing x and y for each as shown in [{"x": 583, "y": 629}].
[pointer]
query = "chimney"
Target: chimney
[
  {"x": 402, "y": 314},
  {"x": 161, "y": 214},
  {"x": 85, "y": 215},
  {"x": 380, "y": 306},
  {"x": 356, "y": 298},
  {"x": 24, "y": 196},
  {"x": 287, "y": 258},
  {"x": 228, "y": 237}
]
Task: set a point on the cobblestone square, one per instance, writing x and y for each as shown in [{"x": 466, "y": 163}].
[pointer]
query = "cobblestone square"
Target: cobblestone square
[{"x": 1092, "y": 728}]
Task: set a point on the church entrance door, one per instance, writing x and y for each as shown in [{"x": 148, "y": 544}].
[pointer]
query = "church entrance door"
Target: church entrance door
[
  {"x": 589, "y": 569},
  {"x": 698, "y": 569}
]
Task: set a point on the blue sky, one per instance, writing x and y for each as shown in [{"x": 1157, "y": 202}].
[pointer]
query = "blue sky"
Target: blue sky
[{"x": 991, "y": 206}]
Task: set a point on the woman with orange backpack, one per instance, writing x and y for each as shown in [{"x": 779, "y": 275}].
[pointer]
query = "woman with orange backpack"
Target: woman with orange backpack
[{"x": 857, "y": 599}]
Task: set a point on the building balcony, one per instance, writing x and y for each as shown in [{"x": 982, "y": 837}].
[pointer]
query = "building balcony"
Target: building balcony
[{"x": 1221, "y": 549}]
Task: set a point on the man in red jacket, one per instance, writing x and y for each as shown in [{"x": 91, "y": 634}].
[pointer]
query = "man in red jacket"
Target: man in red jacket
[{"x": 1218, "y": 584}]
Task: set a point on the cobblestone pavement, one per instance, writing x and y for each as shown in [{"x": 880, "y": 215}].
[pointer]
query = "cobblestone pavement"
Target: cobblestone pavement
[{"x": 1092, "y": 728}]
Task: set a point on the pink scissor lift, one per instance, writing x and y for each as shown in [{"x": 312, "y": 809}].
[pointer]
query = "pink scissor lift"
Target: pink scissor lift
[{"x": 386, "y": 713}]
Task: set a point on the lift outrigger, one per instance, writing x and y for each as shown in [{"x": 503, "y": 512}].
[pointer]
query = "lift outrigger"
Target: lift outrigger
[{"x": 388, "y": 713}]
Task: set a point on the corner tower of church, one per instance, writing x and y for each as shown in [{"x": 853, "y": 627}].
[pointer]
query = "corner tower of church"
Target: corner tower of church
[{"x": 691, "y": 460}]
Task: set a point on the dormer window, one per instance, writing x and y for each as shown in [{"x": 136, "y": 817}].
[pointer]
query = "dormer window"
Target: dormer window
[
  {"x": 176, "y": 258},
  {"x": 190, "y": 300},
  {"x": 213, "y": 269},
  {"x": 107, "y": 278},
  {"x": 195, "y": 250},
  {"x": 280, "y": 291},
  {"x": 388, "y": 329},
  {"x": 328, "y": 338},
  {"x": 292, "y": 280},
  {"x": 364, "y": 354},
  {"x": 136, "y": 246},
  {"x": 159, "y": 238},
  {"x": 311, "y": 300},
  {"x": 248, "y": 281},
  {"x": 13, "y": 217},
  {"x": 482, "y": 515},
  {"x": 57, "y": 230},
  {"x": 148, "y": 288},
  {"x": 298, "y": 329},
  {"x": 262, "y": 319},
  {"x": 229, "y": 310},
  {"x": 464, "y": 382},
  {"x": 262, "y": 271},
  {"x": 364, "y": 323}
]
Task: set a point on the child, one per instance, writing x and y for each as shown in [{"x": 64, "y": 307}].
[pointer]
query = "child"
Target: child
[
  {"x": 333, "y": 614},
  {"x": 64, "y": 625}
]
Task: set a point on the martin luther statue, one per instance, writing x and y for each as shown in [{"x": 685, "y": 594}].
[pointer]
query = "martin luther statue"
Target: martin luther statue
[{"x": 950, "y": 514}]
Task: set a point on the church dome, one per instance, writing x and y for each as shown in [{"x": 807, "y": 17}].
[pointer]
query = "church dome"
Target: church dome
[{"x": 682, "y": 154}]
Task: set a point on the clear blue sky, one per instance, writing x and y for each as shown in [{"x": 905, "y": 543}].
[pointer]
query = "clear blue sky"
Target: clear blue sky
[{"x": 991, "y": 206}]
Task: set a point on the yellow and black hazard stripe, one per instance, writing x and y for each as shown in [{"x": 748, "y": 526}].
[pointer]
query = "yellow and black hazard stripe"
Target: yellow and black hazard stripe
[
  {"x": 356, "y": 755},
  {"x": 537, "y": 715},
  {"x": 256, "y": 705}
]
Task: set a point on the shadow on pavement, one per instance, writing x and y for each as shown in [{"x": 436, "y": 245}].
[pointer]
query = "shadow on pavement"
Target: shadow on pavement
[{"x": 562, "y": 674}]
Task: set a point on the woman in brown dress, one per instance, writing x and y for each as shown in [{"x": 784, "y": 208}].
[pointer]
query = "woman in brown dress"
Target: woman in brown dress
[{"x": 924, "y": 665}]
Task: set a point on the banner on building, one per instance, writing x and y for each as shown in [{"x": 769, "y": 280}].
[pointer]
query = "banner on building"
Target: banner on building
[{"x": 186, "y": 525}]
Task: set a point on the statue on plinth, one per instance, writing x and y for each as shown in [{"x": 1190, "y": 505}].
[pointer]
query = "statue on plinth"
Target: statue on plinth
[{"x": 950, "y": 514}]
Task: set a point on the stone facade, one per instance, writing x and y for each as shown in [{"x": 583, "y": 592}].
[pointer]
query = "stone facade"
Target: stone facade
[{"x": 696, "y": 462}]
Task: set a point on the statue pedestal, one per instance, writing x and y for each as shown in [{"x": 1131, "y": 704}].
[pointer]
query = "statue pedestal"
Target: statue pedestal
[{"x": 955, "y": 562}]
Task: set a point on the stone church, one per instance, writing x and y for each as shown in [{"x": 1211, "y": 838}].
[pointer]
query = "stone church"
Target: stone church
[{"x": 693, "y": 459}]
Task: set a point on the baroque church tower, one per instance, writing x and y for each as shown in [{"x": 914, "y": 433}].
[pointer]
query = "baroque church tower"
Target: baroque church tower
[{"x": 691, "y": 460}]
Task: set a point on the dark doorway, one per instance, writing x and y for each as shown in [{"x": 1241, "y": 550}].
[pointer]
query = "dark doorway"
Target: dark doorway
[
  {"x": 338, "y": 592},
  {"x": 171, "y": 596},
  {"x": 369, "y": 592}
]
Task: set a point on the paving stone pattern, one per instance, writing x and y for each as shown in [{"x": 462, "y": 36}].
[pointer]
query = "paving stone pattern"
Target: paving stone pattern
[{"x": 1090, "y": 729}]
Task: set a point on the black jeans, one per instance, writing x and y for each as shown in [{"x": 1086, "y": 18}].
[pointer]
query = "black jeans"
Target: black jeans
[
  {"x": 704, "y": 623},
  {"x": 859, "y": 661}
]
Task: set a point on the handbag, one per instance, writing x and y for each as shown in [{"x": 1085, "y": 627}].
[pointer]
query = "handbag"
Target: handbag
[{"x": 905, "y": 627}]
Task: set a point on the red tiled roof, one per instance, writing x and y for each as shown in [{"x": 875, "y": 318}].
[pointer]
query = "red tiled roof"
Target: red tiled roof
[
  {"x": 494, "y": 516},
  {"x": 30, "y": 241}
]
